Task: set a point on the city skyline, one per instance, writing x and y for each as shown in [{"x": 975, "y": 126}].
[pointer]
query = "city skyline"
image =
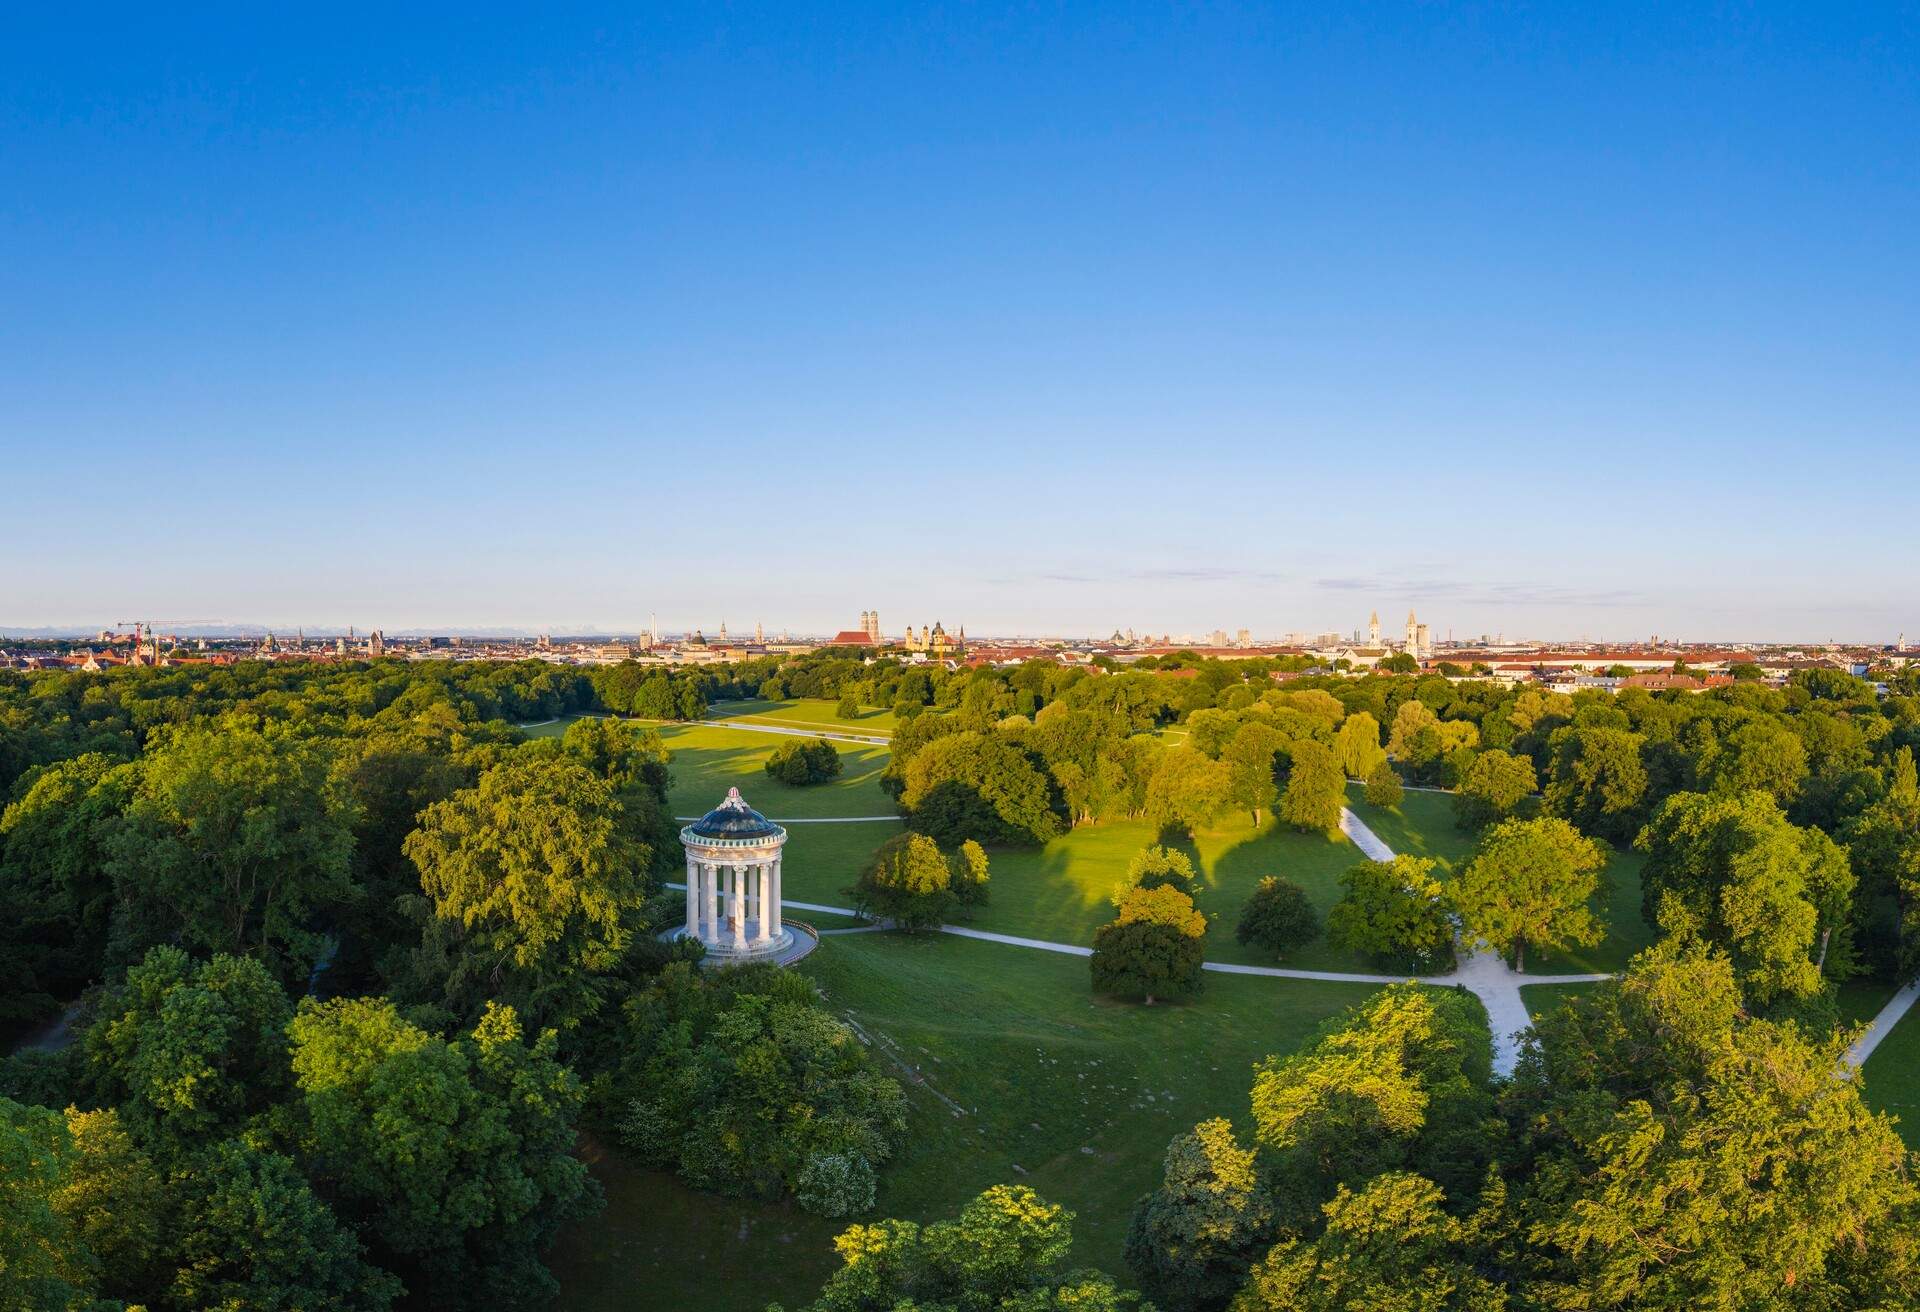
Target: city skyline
[{"x": 1548, "y": 323}]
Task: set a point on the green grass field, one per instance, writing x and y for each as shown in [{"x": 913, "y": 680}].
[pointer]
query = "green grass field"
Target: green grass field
[
  {"x": 1074, "y": 1096},
  {"x": 1423, "y": 826},
  {"x": 805, "y": 713},
  {"x": 1893, "y": 1076}
]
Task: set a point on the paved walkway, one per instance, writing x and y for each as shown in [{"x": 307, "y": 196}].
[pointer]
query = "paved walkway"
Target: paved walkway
[{"x": 1882, "y": 1025}]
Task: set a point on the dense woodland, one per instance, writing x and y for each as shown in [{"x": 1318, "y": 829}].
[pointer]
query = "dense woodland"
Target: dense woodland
[{"x": 356, "y": 963}]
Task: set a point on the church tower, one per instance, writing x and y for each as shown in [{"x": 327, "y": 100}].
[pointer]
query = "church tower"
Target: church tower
[
  {"x": 1373, "y": 629},
  {"x": 1413, "y": 635}
]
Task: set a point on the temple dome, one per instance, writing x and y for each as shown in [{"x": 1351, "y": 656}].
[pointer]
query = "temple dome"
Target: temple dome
[{"x": 733, "y": 818}]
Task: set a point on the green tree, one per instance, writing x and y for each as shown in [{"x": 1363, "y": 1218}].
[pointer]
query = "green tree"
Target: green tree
[
  {"x": 251, "y": 1234},
  {"x": 1316, "y": 790},
  {"x": 1192, "y": 1240},
  {"x": 1763, "y": 755},
  {"x": 1394, "y": 912},
  {"x": 233, "y": 840},
  {"x": 43, "y": 1263},
  {"x": 1003, "y": 1254},
  {"x": 457, "y": 1157},
  {"x": 1391, "y": 1247},
  {"x": 1412, "y": 718},
  {"x": 534, "y": 883},
  {"x": 970, "y": 877},
  {"x": 1357, "y": 745},
  {"x": 1249, "y": 760},
  {"x": 980, "y": 786},
  {"x": 1531, "y": 882},
  {"x": 190, "y": 1050},
  {"x": 1187, "y": 790},
  {"x": 1384, "y": 788},
  {"x": 1492, "y": 789},
  {"x": 849, "y": 706},
  {"x": 1734, "y": 869},
  {"x": 1597, "y": 781},
  {"x": 1152, "y": 948},
  {"x": 804, "y": 761},
  {"x": 113, "y": 1199},
  {"x": 908, "y": 883},
  {"x": 1278, "y": 917},
  {"x": 1154, "y": 866}
]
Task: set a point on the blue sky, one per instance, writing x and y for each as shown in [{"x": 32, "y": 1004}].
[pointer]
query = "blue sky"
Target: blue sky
[{"x": 1571, "y": 320}]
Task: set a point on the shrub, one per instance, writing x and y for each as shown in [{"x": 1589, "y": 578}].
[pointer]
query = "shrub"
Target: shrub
[
  {"x": 804, "y": 761},
  {"x": 908, "y": 883}
]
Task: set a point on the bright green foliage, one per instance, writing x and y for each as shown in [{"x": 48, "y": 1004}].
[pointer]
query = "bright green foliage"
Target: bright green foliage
[
  {"x": 1316, "y": 790},
  {"x": 745, "y": 1085},
  {"x": 1698, "y": 1159},
  {"x": 1735, "y": 870},
  {"x": 980, "y": 786},
  {"x": 535, "y": 886},
  {"x": 1187, "y": 789},
  {"x": 1492, "y": 788},
  {"x": 849, "y": 705},
  {"x": 43, "y": 1263},
  {"x": 1003, "y": 1254},
  {"x": 969, "y": 874},
  {"x": 1154, "y": 866},
  {"x": 189, "y": 1050},
  {"x": 634, "y": 764},
  {"x": 1530, "y": 883},
  {"x": 1598, "y": 782},
  {"x": 1400, "y": 1083},
  {"x": 253, "y": 1235},
  {"x": 456, "y": 1156},
  {"x": 1279, "y": 917},
  {"x": 1762, "y": 756},
  {"x": 1249, "y": 759},
  {"x": 1395, "y": 912},
  {"x": 1357, "y": 745},
  {"x": 1192, "y": 1240},
  {"x": 233, "y": 840},
  {"x": 1410, "y": 719},
  {"x": 804, "y": 761},
  {"x": 1152, "y": 948},
  {"x": 908, "y": 884},
  {"x": 113, "y": 1199},
  {"x": 1391, "y": 1247},
  {"x": 1384, "y": 788}
]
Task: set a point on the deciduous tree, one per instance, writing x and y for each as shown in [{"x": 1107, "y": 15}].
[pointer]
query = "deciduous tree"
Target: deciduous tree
[{"x": 1531, "y": 882}]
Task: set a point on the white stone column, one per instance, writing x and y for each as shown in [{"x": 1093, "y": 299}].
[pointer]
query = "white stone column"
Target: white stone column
[
  {"x": 693, "y": 901},
  {"x": 739, "y": 906},
  {"x": 712, "y": 932},
  {"x": 778, "y": 912},
  {"x": 763, "y": 876}
]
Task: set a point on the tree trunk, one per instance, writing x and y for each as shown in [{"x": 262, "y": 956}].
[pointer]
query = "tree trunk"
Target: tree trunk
[
  {"x": 1519, "y": 956},
  {"x": 1825, "y": 934},
  {"x": 1149, "y": 999}
]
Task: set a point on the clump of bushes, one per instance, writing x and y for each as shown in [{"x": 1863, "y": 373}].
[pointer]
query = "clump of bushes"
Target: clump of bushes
[{"x": 804, "y": 761}]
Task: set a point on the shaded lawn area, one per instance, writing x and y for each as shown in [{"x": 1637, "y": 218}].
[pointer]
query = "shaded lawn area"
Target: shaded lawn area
[
  {"x": 1062, "y": 891},
  {"x": 1893, "y": 1076},
  {"x": 1423, "y": 826},
  {"x": 805, "y": 713},
  {"x": 1074, "y": 1096},
  {"x": 1542, "y": 999}
]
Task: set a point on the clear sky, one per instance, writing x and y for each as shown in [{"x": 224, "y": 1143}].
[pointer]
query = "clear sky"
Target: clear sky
[{"x": 1551, "y": 319}]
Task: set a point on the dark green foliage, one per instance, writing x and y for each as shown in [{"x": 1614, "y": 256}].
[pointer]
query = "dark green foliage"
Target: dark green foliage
[
  {"x": 746, "y": 1085},
  {"x": 980, "y": 786},
  {"x": 1492, "y": 789},
  {"x": 1152, "y": 948},
  {"x": 1394, "y": 912},
  {"x": 1279, "y": 917},
  {"x": 1192, "y": 1240},
  {"x": 804, "y": 761}
]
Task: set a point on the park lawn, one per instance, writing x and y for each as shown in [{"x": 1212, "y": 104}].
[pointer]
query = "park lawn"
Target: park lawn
[
  {"x": 1061, "y": 892},
  {"x": 1423, "y": 825},
  {"x": 548, "y": 728},
  {"x": 1542, "y": 999},
  {"x": 708, "y": 759},
  {"x": 1075, "y": 1096},
  {"x": 805, "y": 713},
  {"x": 1893, "y": 1076}
]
